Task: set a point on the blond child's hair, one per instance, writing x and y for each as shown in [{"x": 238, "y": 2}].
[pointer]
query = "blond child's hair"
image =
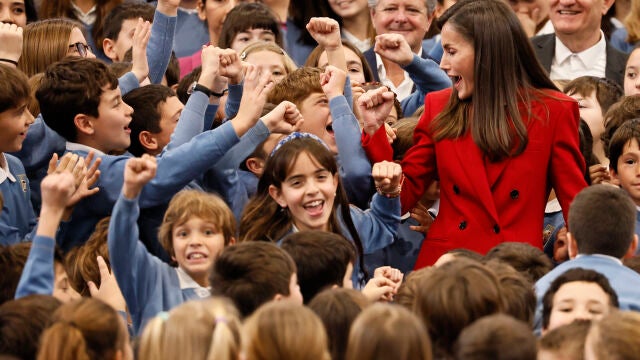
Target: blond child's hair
[
  {"x": 297, "y": 86},
  {"x": 285, "y": 331},
  {"x": 197, "y": 330},
  {"x": 189, "y": 203}
]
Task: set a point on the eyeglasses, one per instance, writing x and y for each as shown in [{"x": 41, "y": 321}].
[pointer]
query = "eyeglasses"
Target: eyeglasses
[{"x": 82, "y": 49}]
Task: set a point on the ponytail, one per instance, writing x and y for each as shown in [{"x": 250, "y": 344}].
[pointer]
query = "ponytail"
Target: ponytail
[{"x": 63, "y": 341}]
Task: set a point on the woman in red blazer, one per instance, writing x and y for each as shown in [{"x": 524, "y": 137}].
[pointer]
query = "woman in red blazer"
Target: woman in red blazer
[{"x": 497, "y": 141}]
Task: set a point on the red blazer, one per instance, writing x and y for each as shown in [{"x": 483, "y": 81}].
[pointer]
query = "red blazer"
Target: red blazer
[{"x": 483, "y": 204}]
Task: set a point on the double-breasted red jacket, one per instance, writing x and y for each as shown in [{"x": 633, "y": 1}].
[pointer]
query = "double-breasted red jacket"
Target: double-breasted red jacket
[{"x": 485, "y": 203}]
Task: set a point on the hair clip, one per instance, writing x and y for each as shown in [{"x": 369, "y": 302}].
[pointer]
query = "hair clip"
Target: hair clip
[
  {"x": 163, "y": 315},
  {"x": 297, "y": 135}
]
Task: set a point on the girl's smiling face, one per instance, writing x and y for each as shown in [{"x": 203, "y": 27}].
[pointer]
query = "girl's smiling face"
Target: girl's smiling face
[{"x": 308, "y": 191}]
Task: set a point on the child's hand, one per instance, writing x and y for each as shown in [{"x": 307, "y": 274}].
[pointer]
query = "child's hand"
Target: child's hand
[
  {"x": 528, "y": 20},
  {"x": 210, "y": 66},
  {"x": 56, "y": 189},
  {"x": 109, "y": 291},
  {"x": 326, "y": 32},
  {"x": 141, "y": 36},
  {"x": 11, "y": 40},
  {"x": 599, "y": 174},
  {"x": 374, "y": 107},
  {"x": 254, "y": 95},
  {"x": 387, "y": 177},
  {"x": 421, "y": 214},
  {"x": 231, "y": 66},
  {"x": 379, "y": 289},
  {"x": 168, "y": 7},
  {"x": 332, "y": 81},
  {"x": 137, "y": 173},
  {"x": 390, "y": 273},
  {"x": 284, "y": 119},
  {"x": 85, "y": 181},
  {"x": 394, "y": 47}
]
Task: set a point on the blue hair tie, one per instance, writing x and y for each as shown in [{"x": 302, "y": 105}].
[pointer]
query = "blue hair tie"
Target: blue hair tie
[
  {"x": 297, "y": 135},
  {"x": 163, "y": 315}
]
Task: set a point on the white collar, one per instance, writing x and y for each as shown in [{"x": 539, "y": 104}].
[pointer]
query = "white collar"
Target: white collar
[
  {"x": 589, "y": 57},
  {"x": 186, "y": 282},
  {"x": 5, "y": 172},
  {"x": 546, "y": 29},
  {"x": 360, "y": 44},
  {"x": 552, "y": 206},
  {"x": 71, "y": 146},
  {"x": 88, "y": 18},
  {"x": 607, "y": 257}
]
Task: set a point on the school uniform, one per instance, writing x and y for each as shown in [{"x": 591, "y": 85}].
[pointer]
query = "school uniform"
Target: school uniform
[
  {"x": 483, "y": 204},
  {"x": 148, "y": 284},
  {"x": 17, "y": 219}
]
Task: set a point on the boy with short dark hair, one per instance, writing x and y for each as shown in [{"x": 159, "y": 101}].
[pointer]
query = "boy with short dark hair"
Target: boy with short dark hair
[
  {"x": 79, "y": 99},
  {"x": 119, "y": 24},
  {"x": 17, "y": 218},
  {"x": 323, "y": 260},
  {"x": 253, "y": 273},
  {"x": 601, "y": 232}
]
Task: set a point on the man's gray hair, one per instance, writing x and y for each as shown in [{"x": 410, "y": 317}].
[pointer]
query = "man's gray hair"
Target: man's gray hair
[{"x": 430, "y": 4}]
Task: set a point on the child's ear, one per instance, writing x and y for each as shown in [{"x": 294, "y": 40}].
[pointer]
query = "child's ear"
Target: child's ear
[
  {"x": 255, "y": 165},
  {"x": 276, "y": 195},
  {"x": 632, "y": 248},
  {"x": 108, "y": 47},
  {"x": 202, "y": 14},
  {"x": 148, "y": 141},
  {"x": 614, "y": 176},
  {"x": 232, "y": 241},
  {"x": 572, "y": 245},
  {"x": 84, "y": 124}
]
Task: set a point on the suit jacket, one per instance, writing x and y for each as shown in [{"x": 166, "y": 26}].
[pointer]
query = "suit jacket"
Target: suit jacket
[
  {"x": 545, "y": 47},
  {"x": 483, "y": 204}
]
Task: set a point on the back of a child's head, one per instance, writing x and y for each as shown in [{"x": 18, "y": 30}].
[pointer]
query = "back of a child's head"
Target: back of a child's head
[
  {"x": 453, "y": 296},
  {"x": 614, "y": 337},
  {"x": 321, "y": 259},
  {"x": 12, "y": 261},
  {"x": 45, "y": 42},
  {"x": 146, "y": 116},
  {"x": 624, "y": 110},
  {"x": 565, "y": 342},
  {"x": 297, "y": 86},
  {"x": 81, "y": 264},
  {"x": 526, "y": 259},
  {"x": 496, "y": 337},
  {"x": 406, "y": 295},
  {"x": 602, "y": 220},
  {"x": 338, "y": 308},
  {"x": 84, "y": 329},
  {"x": 284, "y": 331},
  {"x": 459, "y": 253},
  {"x": 248, "y": 16},
  {"x": 575, "y": 275},
  {"x": 70, "y": 87},
  {"x": 194, "y": 203},
  {"x": 14, "y": 88},
  {"x": 251, "y": 274},
  {"x": 404, "y": 136},
  {"x": 387, "y": 331},
  {"x": 606, "y": 91},
  {"x": 517, "y": 291},
  {"x": 22, "y": 321},
  {"x": 206, "y": 329}
]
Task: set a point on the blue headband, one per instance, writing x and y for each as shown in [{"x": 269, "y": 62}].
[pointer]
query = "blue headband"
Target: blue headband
[{"x": 297, "y": 135}]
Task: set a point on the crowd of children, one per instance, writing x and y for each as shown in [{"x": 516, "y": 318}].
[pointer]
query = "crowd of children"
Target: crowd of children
[{"x": 221, "y": 179}]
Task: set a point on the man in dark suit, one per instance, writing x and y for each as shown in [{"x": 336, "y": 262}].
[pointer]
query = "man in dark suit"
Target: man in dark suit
[{"x": 579, "y": 47}]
